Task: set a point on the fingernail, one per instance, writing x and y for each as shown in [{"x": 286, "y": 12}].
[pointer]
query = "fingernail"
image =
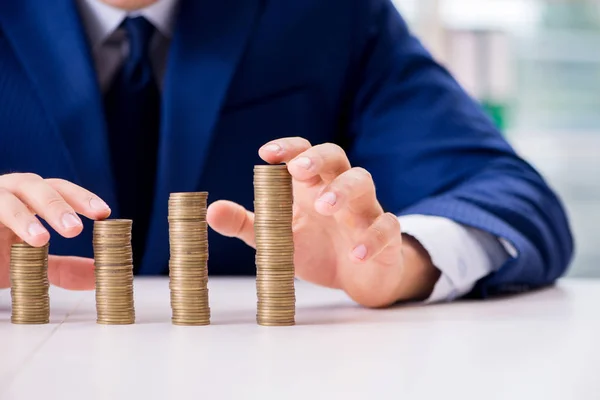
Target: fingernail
[
  {"x": 360, "y": 252},
  {"x": 303, "y": 162},
  {"x": 70, "y": 221},
  {"x": 329, "y": 198},
  {"x": 273, "y": 148},
  {"x": 98, "y": 204},
  {"x": 35, "y": 229}
]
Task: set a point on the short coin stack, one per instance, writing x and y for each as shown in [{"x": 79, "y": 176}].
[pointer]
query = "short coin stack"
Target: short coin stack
[
  {"x": 273, "y": 208},
  {"x": 29, "y": 284},
  {"x": 114, "y": 272},
  {"x": 188, "y": 270}
]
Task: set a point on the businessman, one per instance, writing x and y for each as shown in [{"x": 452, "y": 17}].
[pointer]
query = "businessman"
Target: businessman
[{"x": 404, "y": 190}]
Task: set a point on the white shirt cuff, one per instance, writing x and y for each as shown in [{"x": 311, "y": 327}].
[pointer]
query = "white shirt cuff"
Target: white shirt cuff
[{"x": 463, "y": 254}]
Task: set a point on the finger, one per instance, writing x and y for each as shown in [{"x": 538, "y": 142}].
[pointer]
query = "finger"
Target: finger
[
  {"x": 231, "y": 220},
  {"x": 46, "y": 202},
  {"x": 383, "y": 232},
  {"x": 325, "y": 161},
  {"x": 72, "y": 273},
  {"x": 283, "y": 150},
  {"x": 20, "y": 220},
  {"x": 83, "y": 201},
  {"x": 4, "y": 278},
  {"x": 353, "y": 191}
]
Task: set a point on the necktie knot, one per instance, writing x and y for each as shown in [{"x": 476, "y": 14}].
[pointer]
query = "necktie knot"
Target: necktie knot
[
  {"x": 139, "y": 35},
  {"x": 139, "y": 32}
]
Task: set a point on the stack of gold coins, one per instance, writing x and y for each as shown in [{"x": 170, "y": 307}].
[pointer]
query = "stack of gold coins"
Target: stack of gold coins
[
  {"x": 273, "y": 208},
  {"x": 113, "y": 258},
  {"x": 29, "y": 284},
  {"x": 188, "y": 270}
]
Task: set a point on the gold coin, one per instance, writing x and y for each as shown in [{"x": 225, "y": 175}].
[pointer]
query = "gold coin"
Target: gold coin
[
  {"x": 191, "y": 313},
  {"x": 266, "y": 286},
  {"x": 263, "y": 275},
  {"x": 113, "y": 259},
  {"x": 274, "y": 258},
  {"x": 189, "y": 253},
  {"x": 276, "y": 314},
  {"x": 116, "y": 321},
  {"x": 183, "y": 304},
  {"x": 287, "y": 278},
  {"x": 190, "y": 323},
  {"x": 29, "y": 321},
  {"x": 30, "y": 302},
  {"x": 276, "y": 304}
]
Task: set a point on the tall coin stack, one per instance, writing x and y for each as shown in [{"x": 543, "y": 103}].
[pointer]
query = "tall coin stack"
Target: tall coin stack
[
  {"x": 29, "y": 284},
  {"x": 113, "y": 257},
  {"x": 273, "y": 202},
  {"x": 188, "y": 270}
]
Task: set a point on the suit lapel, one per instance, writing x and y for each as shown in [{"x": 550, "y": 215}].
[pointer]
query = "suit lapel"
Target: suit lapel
[
  {"x": 209, "y": 40},
  {"x": 51, "y": 45}
]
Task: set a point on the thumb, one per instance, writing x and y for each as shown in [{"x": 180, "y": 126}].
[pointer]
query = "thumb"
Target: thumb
[
  {"x": 71, "y": 273},
  {"x": 231, "y": 220}
]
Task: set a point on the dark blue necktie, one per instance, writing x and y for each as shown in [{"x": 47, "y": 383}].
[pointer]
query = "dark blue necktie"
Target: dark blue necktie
[{"x": 132, "y": 107}]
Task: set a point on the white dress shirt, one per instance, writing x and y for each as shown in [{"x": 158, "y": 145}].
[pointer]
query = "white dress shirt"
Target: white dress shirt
[
  {"x": 462, "y": 254},
  {"x": 109, "y": 44}
]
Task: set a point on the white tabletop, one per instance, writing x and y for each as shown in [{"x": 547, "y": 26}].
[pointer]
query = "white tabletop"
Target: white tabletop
[{"x": 543, "y": 345}]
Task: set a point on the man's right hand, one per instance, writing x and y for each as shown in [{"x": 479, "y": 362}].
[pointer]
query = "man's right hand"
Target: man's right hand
[{"x": 24, "y": 198}]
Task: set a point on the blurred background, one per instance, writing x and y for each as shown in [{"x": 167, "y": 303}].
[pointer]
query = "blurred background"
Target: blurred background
[{"x": 535, "y": 67}]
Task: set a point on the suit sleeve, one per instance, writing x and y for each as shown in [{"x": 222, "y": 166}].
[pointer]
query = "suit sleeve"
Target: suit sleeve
[{"x": 433, "y": 151}]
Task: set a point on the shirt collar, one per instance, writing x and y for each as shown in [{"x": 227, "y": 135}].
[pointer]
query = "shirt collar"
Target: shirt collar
[{"x": 101, "y": 20}]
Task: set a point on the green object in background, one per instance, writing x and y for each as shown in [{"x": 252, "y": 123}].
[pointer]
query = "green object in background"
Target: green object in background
[
  {"x": 576, "y": 14},
  {"x": 498, "y": 112}
]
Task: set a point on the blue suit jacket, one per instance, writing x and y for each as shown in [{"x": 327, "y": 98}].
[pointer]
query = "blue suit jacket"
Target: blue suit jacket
[{"x": 243, "y": 72}]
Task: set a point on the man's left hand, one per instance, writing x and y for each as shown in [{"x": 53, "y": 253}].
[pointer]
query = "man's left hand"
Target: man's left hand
[{"x": 343, "y": 237}]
